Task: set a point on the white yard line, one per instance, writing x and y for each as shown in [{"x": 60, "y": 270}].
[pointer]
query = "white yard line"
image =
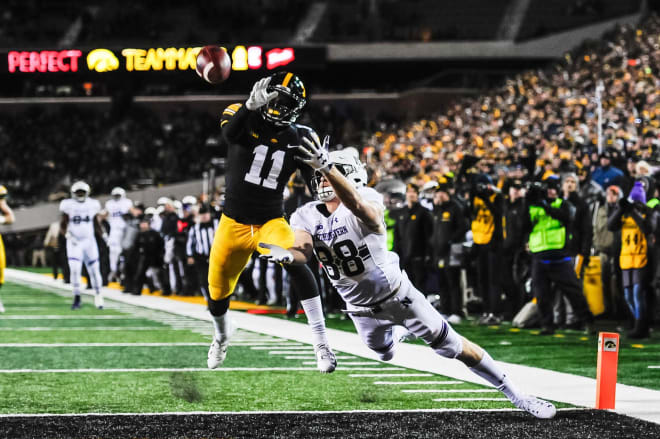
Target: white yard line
[
  {"x": 70, "y": 317},
  {"x": 349, "y": 363},
  {"x": 577, "y": 390},
  {"x": 79, "y": 345},
  {"x": 468, "y": 399},
  {"x": 291, "y": 352},
  {"x": 251, "y": 413},
  {"x": 183, "y": 369},
  {"x": 261, "y": 345},
  {"x": 312, "y": 357},
  {"x": 405, "y": 383},
  {"x": 388, "y": 375},
  {"x": 450, "y": 391},
  {"x": 654, "y": 367},
  {"x": 290, "y": 347},
  {"x": 86, "y": 328}
]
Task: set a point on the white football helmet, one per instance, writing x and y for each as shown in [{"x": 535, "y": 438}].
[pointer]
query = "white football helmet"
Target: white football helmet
[
  {"x": 189, "y": 199},
  {"x": 118, "y": 193},
  {"x": 80, "y": 191},
  {"x": 349, "y": 164}
]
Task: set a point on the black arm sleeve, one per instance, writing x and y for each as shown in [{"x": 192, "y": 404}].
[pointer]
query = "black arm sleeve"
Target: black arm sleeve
[
  {"x": 562, "y": 213},
  {"x": 614, "y": 221},
  {"x": 644, "y": 224},
  {"x": 235, "y": 124}
]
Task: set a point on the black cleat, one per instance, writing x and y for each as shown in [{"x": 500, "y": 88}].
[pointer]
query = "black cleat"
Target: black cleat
[{"x": 76, "y": 303}]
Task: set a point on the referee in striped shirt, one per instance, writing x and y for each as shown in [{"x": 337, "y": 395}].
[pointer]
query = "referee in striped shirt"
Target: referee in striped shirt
[{"x": 198, "y": 246}]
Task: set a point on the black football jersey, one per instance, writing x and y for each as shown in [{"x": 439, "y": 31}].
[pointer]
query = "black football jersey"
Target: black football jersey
[{"x": 260, "y": 161}]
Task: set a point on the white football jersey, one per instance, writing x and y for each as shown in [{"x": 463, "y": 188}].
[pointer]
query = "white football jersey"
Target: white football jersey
[
  {"x": 116, "y": 210},
  {"x": 81, "y": 216},
  {"x": 355, "y": 259}
]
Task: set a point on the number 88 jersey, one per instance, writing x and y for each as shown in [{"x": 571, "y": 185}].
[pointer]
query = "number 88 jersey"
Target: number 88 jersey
[{"x": 355, "y": 259}]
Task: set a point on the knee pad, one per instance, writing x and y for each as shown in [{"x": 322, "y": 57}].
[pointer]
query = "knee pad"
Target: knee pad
[
  {"x": 218, "y": 308},
  {"x": 448, "y": 344}
]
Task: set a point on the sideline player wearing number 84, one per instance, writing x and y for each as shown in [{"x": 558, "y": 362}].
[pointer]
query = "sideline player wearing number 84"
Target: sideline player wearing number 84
[
  {"x": 262, "y": 153},
  {"x": 346, "y": 230}
]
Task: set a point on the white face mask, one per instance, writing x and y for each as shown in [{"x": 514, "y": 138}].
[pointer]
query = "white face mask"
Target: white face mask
[{"x": 326, "y": 193}]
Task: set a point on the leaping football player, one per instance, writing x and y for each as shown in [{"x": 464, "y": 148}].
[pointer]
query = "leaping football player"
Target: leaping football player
[
  {"x": 6, "y": 218},
  {"x": 346, "y": 230},
  {"x": 78, "y": 222},
  {"x": 263, "y": 141}
]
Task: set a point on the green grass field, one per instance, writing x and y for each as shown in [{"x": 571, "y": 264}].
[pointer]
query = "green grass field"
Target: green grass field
[{"x": 127, "y": 359}]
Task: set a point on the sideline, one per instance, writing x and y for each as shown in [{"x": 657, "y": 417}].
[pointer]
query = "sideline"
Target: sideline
[{"x": 633, "y": 401}]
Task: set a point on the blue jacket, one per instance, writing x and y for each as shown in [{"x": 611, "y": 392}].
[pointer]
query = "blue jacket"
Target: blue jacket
[{"x": 606, "y": 176}]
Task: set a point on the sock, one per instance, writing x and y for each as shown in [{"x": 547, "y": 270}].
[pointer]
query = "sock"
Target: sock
[
  {"x": 222, "y": 327},
  {"x": 314, "y": 312},
  {"x": 488, "y": 370}
]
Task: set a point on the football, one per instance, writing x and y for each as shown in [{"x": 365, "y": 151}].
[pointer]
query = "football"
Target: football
[{"x": 213, "y": 64}]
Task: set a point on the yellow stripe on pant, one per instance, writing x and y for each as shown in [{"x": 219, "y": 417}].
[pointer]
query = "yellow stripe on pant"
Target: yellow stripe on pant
[{"x": 233, "y": 246}]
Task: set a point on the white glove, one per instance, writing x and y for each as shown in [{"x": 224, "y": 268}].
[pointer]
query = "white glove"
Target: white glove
[
  {"x": 316, "y": 154},
  {"x": 259, "y": 96},
  {"x": 70, "y": 238},
  {"x": 277, "y": 253}
]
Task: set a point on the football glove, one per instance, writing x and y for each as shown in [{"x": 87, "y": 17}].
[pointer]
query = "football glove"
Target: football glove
[
  {"x": 259, "y": 95},
  {"x": 70, "y": 238},
  {"x": 316, "y": 154},
  {"x": 277, "y": 253}
]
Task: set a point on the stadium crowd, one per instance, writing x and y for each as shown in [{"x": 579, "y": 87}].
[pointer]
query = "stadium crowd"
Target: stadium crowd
[{"x": 469, "y": 178}]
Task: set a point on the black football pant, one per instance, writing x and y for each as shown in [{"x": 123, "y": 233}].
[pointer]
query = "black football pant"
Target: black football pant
[
  {"x": 562, "y": 274},
  {"x": 488, "y": 277}
]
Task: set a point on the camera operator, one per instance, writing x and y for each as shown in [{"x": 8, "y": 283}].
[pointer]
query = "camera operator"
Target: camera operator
[
  {"x": 448, "y": 228},
  {"x": 486, "y": 204},
  {"x": 513, "y": 247},
  {"x": 548, "y": 220}
]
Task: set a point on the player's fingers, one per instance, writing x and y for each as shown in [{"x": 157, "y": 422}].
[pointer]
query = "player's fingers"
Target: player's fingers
[
  {"x": 313, "y": 147},
  {"x": 272, "y": 95},
  {"x": 326, "y": 142},
  {"x": 308, "y": 152}
]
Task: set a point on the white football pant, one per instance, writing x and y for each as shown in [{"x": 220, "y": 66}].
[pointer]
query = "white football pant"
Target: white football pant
[
  {"x": 84, "y": 251},
  {"x": 411, "y": 309}
]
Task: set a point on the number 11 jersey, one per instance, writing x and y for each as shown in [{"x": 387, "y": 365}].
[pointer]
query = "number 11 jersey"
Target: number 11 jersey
[
  {"x": 260, "y": 161},
  {"x": 355, "y": 259}
]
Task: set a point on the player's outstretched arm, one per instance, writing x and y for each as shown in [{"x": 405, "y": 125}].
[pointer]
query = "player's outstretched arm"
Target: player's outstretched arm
[
  {"x": 316, "y": 156},
  {"x": 300, "y": 253}
]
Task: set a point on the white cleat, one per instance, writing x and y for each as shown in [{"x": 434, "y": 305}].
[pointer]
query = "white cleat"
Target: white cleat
[
  {"x": 2, "y": 308},
  {"x": 326, "y": 361},
  {"x": 537, "y": 407},
  {"x": 217, "y": 354},
  {"x": 98, "y": 301}
]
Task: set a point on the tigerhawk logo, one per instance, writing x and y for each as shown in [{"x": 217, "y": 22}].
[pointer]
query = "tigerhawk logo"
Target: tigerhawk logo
[{"x": 102, "y": 60}]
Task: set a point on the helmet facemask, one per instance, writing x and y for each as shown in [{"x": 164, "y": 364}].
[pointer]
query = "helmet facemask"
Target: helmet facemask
[
  {"x": 323, "y": 193},
  {"x": 285, "y": 108}
]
